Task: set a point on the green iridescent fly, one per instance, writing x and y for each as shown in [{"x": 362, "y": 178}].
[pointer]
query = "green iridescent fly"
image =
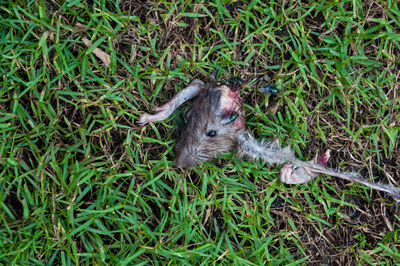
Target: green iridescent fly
[
  {"x": 235, "y": 83},
  {"x": 270, "y": 89},
  {"x": 230, "y": 119}
]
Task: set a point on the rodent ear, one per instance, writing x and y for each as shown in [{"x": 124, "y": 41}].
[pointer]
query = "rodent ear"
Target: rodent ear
[
  {"x": 186, "y": 114},
  {"x": 214, "y": 97}
]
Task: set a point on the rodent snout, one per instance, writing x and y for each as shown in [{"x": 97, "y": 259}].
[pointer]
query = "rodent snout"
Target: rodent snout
[{"x": 185, "y": 161}]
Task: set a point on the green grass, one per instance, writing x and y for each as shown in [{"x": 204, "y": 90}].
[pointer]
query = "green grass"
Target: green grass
[{"x": 81, "y": 183}]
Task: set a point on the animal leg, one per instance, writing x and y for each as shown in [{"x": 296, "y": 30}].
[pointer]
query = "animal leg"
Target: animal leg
[{"x": 162, "y": 112}]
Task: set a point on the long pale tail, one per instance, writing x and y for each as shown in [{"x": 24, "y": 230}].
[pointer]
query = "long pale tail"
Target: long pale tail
[{"x": 271, "y": 152}]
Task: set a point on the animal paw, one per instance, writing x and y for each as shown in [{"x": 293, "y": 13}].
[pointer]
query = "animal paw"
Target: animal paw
[
  {"x": 160, "y": 114},
  {"x": 295, "y": 175},
  {"x": 144, "y": 119}
]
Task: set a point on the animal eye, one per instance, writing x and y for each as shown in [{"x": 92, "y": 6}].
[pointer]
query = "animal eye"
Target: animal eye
[{"x": 212, "y": 133}]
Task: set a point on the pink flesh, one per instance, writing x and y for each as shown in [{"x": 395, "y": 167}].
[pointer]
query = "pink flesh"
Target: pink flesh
[
  {"x": 231, "y": 102},
  {"x": 323, "y": 158}
]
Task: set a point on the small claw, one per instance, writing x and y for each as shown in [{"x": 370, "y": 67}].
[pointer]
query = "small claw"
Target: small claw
[
  {"x": 141, "y": 123},
  {"x": 144, "y": 119}
]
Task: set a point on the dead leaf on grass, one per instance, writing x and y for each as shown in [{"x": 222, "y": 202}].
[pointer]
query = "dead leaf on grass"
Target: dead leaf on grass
[{"x": 104, "y": 57}]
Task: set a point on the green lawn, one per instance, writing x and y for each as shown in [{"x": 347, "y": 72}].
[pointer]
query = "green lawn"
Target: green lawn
[{"x": 81, "y": 183}]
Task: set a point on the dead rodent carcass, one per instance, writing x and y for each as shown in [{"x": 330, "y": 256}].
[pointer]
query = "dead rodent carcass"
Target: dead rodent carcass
[
  {"x": 210, "y": 123},
  {"x": 214, "y": 124}
]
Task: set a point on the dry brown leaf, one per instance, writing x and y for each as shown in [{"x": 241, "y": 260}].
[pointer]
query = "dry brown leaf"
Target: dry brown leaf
[{"x": 104, "y": 57}]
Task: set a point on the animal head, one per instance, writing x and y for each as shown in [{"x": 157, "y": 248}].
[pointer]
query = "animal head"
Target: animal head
[{"x": 210, "y": 125}]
